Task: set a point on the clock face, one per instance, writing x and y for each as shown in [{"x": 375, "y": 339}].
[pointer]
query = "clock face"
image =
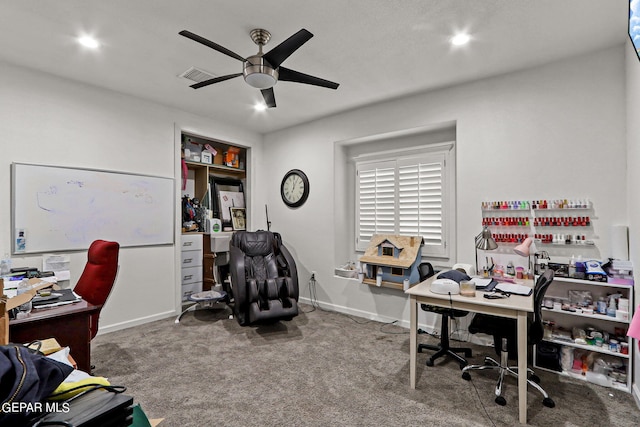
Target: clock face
[{"x": 294, "y": 188}]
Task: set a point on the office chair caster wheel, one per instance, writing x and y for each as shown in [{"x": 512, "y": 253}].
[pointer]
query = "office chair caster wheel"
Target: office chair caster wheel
[
  {"x": 535, "y": 378},
  {"x": 501, "y": 401},
  {"x": 466, "y": 376},
  {"x": 548, "y": 402},
  {"x": 429, "y": 362}
]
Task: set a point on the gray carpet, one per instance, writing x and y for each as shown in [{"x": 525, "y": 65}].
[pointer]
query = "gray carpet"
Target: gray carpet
[{"x": 323, "y": 369}]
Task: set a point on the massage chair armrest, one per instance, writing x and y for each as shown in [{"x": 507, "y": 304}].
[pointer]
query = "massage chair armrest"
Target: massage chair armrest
[
  {"x": 293, "y": 271},
  {"x": 237, "y": 271}
]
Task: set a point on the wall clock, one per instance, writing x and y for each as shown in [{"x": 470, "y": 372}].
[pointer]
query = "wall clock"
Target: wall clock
[{"x": 294, "y": 188}]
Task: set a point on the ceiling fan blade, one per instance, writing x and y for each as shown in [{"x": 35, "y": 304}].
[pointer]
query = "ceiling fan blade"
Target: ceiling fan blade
[
  {"x": 269, "y": 97},
  {"x": 212, "y": 45},
  {"x": 288, "y": 75},
  {"x": 278, "y": 54},
  {"x": 215, "y": 80}
]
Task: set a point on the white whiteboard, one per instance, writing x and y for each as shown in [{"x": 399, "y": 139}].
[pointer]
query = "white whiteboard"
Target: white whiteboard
[{"x": 63, "y": 209}]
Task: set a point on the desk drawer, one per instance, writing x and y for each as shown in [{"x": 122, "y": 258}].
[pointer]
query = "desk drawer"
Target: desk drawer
[
  {"x": 191, "y": 242},
  {"x": 191, "y": 275},
  {"x": 190, "y": 289},
  {"x": 191, "y": 259}
]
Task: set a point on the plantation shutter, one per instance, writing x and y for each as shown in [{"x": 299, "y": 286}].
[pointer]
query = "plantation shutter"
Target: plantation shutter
[
  {"x": 403, "y": 196},
  {"x": 376, "y": 200},
  {"x": 421, "y": 201}
]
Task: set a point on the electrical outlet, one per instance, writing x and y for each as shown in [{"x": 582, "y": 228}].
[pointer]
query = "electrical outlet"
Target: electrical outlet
[{"x": 313, "y": 275}]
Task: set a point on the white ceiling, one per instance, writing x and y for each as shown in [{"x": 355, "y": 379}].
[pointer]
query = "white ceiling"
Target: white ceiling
[{"x": 375, "y": 49}]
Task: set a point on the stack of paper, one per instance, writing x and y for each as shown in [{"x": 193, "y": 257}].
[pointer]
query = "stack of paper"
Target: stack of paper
[{"x": 515, "y": 289}]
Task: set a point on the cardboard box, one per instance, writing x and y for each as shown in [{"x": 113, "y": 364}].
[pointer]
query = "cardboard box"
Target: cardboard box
[
  {"x": 7, "y": 304},
  {"x": 28, "y": 295},
  {"x": 48, "y": 346}
]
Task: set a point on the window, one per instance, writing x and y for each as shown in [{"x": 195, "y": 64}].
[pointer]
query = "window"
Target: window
[{"x": 408, "y": 195}]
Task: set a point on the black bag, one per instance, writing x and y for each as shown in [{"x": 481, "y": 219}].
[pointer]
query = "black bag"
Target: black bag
[
  {"x": 96, "y": 406},
  {"x": 26, "y": 379},
  {"x": 548, "y": 356}
]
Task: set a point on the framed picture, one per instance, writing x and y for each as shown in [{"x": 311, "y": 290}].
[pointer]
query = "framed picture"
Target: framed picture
[
  {"x": 227, "y": 193},
  {"x": 238, "y": 219}
]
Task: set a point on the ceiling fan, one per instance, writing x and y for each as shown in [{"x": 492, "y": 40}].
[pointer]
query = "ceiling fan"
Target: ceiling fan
[{"x": 263, "y": 71}]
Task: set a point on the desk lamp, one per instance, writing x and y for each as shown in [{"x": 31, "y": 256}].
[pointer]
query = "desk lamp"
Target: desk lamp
[
  {"x": 484, "y": 241},
  {"x": 524, "y": 250}
]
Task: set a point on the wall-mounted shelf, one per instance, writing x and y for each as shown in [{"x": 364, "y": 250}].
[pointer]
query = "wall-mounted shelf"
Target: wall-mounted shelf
[
  {"x": 597, "y": 317},
  {"x": 226, "y": 170},
  {"x": 385, "y": 284},
  {"x": 593, "y": 348},
  {"x": 562, "y": 245}
]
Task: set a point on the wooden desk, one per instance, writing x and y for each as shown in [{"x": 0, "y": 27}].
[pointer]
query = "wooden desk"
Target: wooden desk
[
  {"x": 69, "y": 324},
  {"x": 514, "y": 307}
]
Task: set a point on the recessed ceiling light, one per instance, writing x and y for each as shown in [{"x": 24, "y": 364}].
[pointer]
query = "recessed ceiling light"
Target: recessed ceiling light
[
  {"x": 88, "y": 41},
  {"x": 260, "y": 106},
  {"x": 460, "y": 39}
]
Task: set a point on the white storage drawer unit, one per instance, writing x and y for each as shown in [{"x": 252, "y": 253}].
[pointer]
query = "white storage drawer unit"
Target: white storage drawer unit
[{"x": 191, "y": 262}]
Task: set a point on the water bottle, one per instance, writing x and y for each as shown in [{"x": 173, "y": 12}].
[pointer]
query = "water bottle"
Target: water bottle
[
  {"x": 5, "y": 266},
  {"x": 24, "y": 309}
]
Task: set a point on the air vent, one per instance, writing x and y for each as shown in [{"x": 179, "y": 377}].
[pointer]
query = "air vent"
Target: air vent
[{"x": 197, "y": 75}]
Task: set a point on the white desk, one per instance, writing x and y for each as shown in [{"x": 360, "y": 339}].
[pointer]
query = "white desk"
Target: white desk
[{"x": 514, "y": 307}]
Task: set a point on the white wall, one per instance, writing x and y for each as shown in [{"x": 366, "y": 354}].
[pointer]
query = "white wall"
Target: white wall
[
  {"x": 633, "y": 177},
  {"x": 556, "y": 131},
  {"x": 52, "y": 121},
  {"x": 562, "y": 126}
]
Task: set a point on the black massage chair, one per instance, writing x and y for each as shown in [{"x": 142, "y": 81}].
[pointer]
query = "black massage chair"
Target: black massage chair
[{"x": 264, "y": 278}]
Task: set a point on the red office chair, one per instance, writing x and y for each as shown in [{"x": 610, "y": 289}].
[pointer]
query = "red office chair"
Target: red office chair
[{"x": 96, "y": 281}]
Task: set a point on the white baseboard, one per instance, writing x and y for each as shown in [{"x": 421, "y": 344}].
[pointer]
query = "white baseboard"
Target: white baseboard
[
  {"x": 635, "y": 391},
  {"x": 364, "y": 314},
  {"x": 462, "y": 335},
  {"x": 135, "y": 322}
]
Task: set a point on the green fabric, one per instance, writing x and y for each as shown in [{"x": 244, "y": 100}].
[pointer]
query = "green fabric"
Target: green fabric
[{"x": 139, "y": 417}]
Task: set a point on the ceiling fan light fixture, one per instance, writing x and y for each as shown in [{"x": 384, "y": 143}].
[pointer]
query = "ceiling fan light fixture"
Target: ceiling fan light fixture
[
  {"x": 460, "y": 39},
  {"x": 260, "y": 106},
  {"x": 258, "y": 73},
  {"x": 262, "y": 71},
  {"x": 260, "y": 80},
  {"x": 89, "y": 41}
]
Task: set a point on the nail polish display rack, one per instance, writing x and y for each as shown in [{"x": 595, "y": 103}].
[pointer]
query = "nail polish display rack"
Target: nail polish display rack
[
  {"x": 568, "y": 223},
  {"x": 549, "y": 222}
]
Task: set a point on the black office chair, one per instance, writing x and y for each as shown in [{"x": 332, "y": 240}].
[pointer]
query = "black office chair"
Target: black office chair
[
  {"x": 444, "y": 348},
  {"x": 504, "y": 333}
]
